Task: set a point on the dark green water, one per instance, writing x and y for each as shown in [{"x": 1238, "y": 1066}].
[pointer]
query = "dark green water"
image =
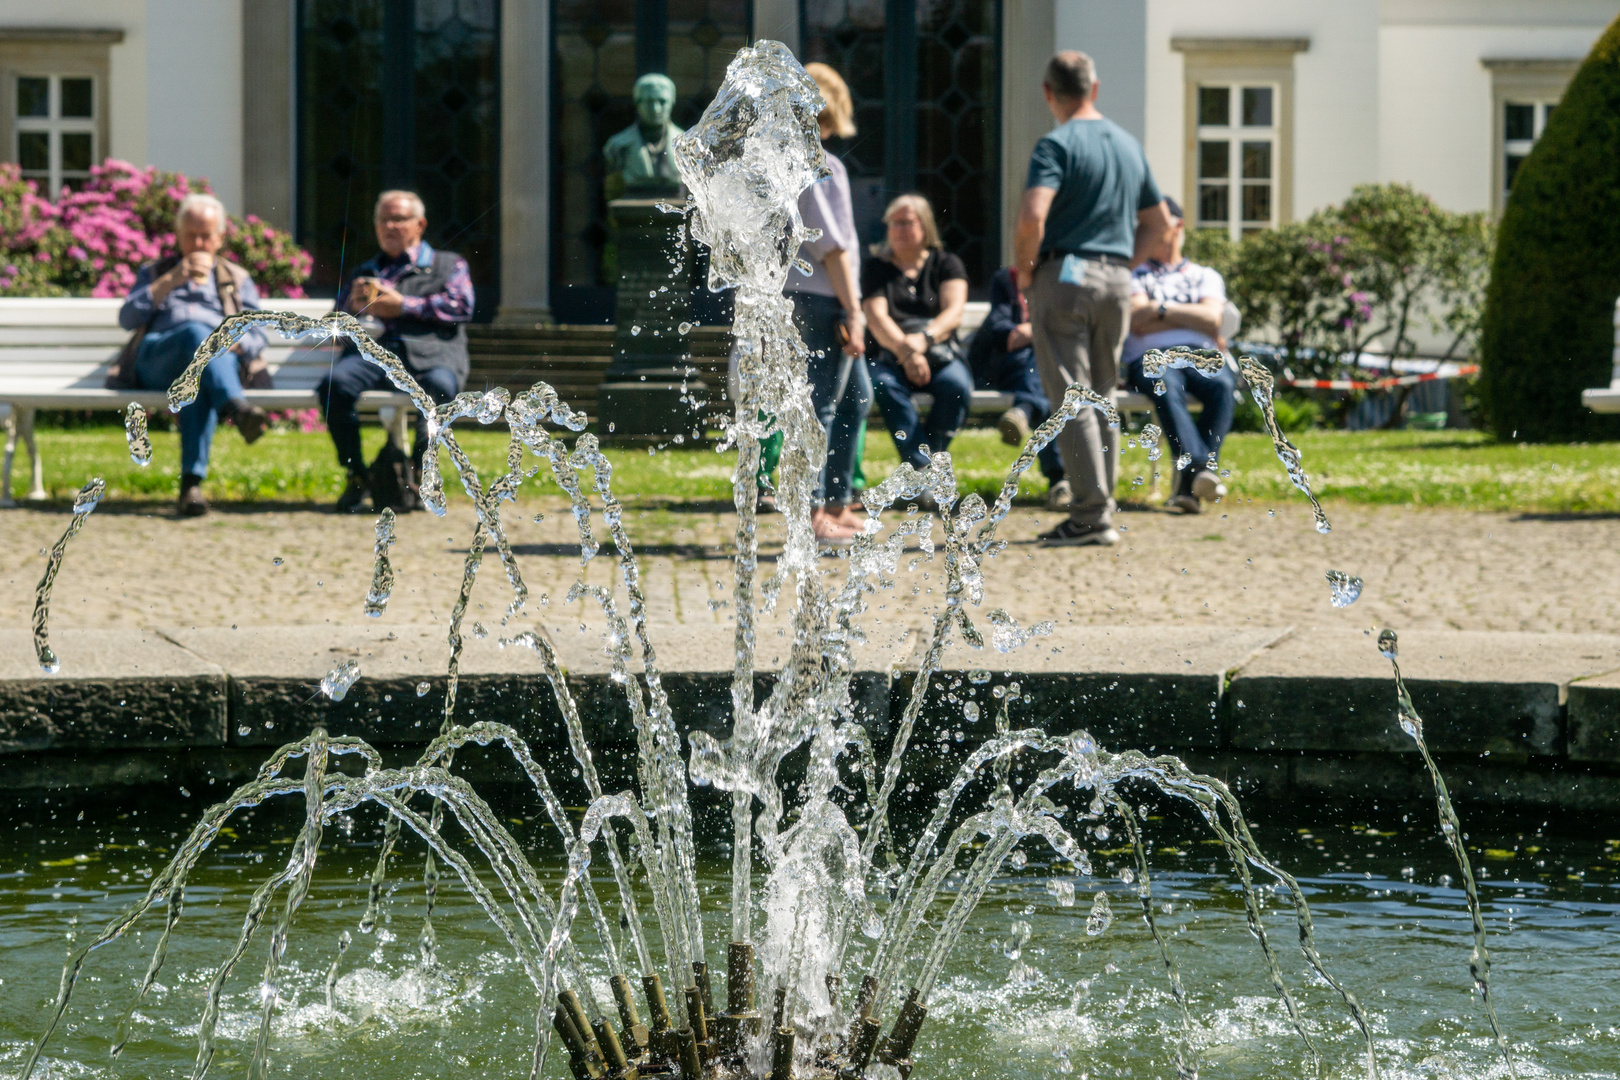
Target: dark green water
[{"x": 1388, "y": 921}]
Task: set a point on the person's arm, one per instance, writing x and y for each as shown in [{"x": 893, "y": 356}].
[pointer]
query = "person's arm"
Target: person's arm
[
  {"x": 913, "y": 363},
  {"x": 1152, "y": 226},
  {"x": 1027, "y": 234},
  {"x": 952, "y": 303},
  {"x": 840, "y": 267},
  {"x": 453, "y": 305},
  {"x": 1203, "y": 317},
  {"x": 140, "y": 303}
]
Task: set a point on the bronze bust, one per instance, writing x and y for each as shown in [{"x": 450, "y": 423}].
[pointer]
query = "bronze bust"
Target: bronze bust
[{"x": 639, "y": 160}]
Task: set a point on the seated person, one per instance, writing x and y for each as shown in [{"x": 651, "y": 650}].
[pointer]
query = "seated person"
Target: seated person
[
  {"x": 1003, "y": 359},
  {"x": 414, "y": 301},
  {"x": 914, "y": 295},
  {"x": 180, "y": 300},
  {"x": 1176, "y": 302}
]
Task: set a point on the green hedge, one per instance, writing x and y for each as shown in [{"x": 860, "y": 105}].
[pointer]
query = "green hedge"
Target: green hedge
[{"x": 1548, "y": 327}]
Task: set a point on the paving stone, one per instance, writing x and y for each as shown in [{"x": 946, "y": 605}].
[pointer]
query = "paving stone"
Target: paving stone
[
  {"x": 130, "y": 689},
  {"x": 1478, "y": 692}
]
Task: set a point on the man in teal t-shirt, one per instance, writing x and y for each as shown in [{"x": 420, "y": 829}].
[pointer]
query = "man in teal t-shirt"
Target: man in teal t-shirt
[{"x": 1090, "y": 208}]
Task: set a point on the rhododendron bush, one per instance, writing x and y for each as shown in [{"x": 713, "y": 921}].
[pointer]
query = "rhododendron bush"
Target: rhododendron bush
[{"x": 90, "y": 242}]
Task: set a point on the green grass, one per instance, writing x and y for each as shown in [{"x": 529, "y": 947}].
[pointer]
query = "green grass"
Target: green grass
[{"x": 1466, "y": 470}]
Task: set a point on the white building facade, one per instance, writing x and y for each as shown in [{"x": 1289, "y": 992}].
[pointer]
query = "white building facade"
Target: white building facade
[{"x": 1252, "y": 112}]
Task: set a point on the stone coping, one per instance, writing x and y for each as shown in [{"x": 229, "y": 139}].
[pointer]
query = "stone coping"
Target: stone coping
[{"x": 1503, "y": 697}]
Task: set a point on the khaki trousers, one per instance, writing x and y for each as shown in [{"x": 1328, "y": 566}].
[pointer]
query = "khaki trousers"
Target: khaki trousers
[{"x": 1078, "y": 332}]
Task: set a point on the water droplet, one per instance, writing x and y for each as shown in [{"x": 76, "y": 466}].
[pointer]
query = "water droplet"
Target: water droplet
[
  {"x": 978, "y": 676},
  {"x": 635, "y": 331},
  {"x": 140, "y": 444},
  {"x": 1388, "y": 644},
  {"x": 1343, "y": 590},
  {"x": 1018, "y": 860},
  {"x": 277, "y": 561},
  {"x": 339, "y": 679},
  {"x": 685, "y": 328},
  {"x": 1183, "y": 461},
  {"x": 1062, "y": 890},
  {"x": 422, "y": 688},
  {"x": 480, "y": 631},
  {"x": 1101, "y": 917},
  {"x": 970, "y": 711}
]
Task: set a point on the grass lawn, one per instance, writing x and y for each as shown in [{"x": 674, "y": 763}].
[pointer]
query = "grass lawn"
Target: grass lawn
[{"x": 1431, "y": 468}]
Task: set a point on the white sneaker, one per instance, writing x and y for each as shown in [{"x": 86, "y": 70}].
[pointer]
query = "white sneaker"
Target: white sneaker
[
  {"x": 1059, "y": 496},
  {"x": 1208, "y": 487}
]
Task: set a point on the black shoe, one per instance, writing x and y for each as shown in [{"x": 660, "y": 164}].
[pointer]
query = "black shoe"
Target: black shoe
[
  {"x": 192, "y": 503},
  {"x": 250, "y": 421},
  {"x": 766, "y": 503},
  {"x": 354, "y": 494},
  {"x": 1070, "y": 534}
]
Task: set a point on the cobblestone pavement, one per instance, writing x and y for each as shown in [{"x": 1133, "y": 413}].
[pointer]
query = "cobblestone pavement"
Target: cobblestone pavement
[{"x": 1243, "y": 563}]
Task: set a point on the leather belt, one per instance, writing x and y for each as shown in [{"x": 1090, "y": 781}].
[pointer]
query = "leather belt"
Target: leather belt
[{"x": 1103, "y": 257}]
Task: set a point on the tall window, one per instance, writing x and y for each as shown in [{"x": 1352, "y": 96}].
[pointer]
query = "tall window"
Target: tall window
[
  {"x": 1522, "y": 124},
  {"x": 399, "y": 94},
  {"x": 926, "y": 79},
  {"x": 55, "y": 130},
  {"x": 1237, "y": 156},
  {"x": 600, "y": 48},
  {"x": 1524, "y": 91}
]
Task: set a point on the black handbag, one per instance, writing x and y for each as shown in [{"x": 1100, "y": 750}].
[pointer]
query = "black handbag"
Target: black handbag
[{"x": 943, "y": 354}]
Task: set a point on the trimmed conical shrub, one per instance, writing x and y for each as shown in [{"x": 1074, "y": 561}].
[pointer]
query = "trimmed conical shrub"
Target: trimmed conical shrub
[{"x": 1548, "y": 328}]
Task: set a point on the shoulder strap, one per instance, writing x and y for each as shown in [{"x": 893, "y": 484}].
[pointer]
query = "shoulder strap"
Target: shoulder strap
[{"x": 230, "y": 298}]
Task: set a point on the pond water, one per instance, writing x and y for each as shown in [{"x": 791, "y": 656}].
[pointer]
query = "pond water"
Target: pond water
[{"x": 1390, "y": 923}]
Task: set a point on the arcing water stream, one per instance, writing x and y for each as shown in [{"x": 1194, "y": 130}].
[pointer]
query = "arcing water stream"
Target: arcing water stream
[{"x": 833, "y": 960}]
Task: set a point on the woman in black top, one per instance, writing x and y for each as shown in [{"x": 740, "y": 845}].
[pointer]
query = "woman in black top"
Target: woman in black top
[{"x": 915, "y": 294}]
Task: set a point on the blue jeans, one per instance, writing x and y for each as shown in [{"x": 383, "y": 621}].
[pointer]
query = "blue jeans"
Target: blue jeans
[
  {"x": 952, "y": 389},
  {"x": 1014, "y": 373},
  {"x": 160, "y": 360},
  {"x": 1200, "y": 438},
  {"x": 817, "y": 318},
  {"x": 351, "y": 376}
]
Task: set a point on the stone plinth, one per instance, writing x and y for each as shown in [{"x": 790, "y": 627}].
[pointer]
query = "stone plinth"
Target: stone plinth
[{"x": 649, "y": 390}]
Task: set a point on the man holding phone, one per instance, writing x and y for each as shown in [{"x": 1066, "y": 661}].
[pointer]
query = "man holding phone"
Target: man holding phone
[{"x": 415, "y": 301}]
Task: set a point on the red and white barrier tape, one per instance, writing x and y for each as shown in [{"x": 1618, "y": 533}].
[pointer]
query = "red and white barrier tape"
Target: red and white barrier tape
[{"x": 1378, "y": 384}]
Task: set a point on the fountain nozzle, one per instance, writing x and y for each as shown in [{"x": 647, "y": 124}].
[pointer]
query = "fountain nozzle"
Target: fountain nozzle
[{"x": 896, "y": 1049}]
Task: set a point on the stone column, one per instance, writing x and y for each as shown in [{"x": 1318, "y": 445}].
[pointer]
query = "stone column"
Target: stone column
[
  {"x": 267, "y": 111},
  {"x": 778, "y": 20},
  {"x": 525, "y": 164}
]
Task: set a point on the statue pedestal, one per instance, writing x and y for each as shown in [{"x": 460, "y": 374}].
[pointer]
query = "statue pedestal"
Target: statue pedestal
[{"x": 646, "y": 391}]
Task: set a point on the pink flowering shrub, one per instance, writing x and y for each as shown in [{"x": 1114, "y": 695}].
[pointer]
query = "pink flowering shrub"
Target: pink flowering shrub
[{"x": 91, "y": 242}]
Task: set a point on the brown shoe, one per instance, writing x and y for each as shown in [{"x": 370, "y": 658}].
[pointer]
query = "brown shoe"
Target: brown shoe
[
  {"x": 192, "y": 503},
  {"x": 251, "y": 421}
]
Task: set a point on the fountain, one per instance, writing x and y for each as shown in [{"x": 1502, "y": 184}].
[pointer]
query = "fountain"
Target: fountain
[{"x": 832, "y": 959}]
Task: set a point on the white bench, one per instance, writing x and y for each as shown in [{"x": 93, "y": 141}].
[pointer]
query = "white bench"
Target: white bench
[
  {"x": 1606, "y": 399},
  {"x": 55, "y": 354}
]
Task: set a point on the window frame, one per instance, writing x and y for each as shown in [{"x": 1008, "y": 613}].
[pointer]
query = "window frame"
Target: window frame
[
  {"x": 70, "y": 53},
  {"x": 1539, "y": 82},
  {"x": 54, "y": 125},
  {"x": 1236, "y": 136},
  {"x": 1236, "y": 63}
]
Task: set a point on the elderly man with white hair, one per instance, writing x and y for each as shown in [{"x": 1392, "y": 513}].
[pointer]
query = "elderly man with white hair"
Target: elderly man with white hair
[
  {"x": 175, "y": 304},
  {"x": 415, "y": 301}
]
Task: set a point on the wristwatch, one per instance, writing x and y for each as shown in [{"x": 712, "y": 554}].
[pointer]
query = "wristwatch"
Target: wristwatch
[{"x": 1161, "y": 311}]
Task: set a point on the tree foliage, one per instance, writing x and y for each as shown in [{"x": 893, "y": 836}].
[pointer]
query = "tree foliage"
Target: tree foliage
[
  {"x": 1548, "y": 325},
  {"x": 1372, "y": 272}
]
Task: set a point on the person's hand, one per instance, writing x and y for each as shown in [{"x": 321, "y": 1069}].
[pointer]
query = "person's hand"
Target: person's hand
[
  {"x": 914, "y": 366},
  {"x": 197, "y": 266},
  {"x": 1019, "y": 336},
  {"x": 389, "y": 304},
  {"x": 855, "y": 323},
  {"x": 1026, "y": 277},
  {"x": 918, "y": 342}
]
